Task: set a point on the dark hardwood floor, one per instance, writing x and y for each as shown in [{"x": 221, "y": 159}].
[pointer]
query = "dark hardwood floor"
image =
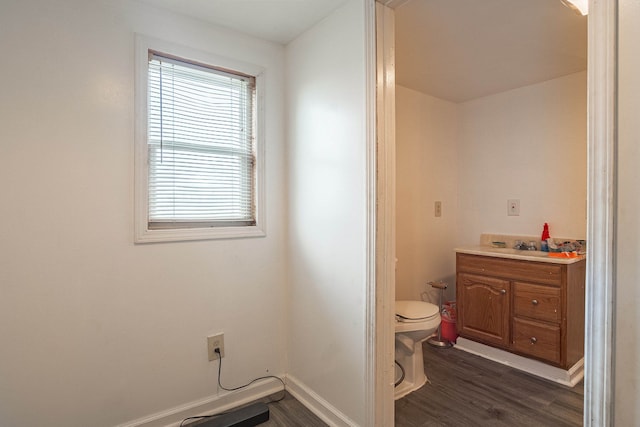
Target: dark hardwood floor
[
  {"x": 464, "y": 390},
  {"x": 287, "y": 412},
  {"x": 467, "y": 390},
  {"x": 290, "y": 412}
]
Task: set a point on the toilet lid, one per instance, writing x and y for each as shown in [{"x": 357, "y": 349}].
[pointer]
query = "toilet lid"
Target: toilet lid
[{"x": 416, "y": 310}]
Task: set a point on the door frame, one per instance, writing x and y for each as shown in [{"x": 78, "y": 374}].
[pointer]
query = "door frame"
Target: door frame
[
  {"x": 601, "y": 221},
  {"x": 601, "y": 207},
  {"x": 385, "y": 239}
]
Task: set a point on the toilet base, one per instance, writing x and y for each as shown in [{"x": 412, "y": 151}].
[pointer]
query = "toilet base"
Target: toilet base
[
  {"x": 413, "y": 364},
  {"x": 406, "y": 387},
  {"x": 439, "y": 342}
]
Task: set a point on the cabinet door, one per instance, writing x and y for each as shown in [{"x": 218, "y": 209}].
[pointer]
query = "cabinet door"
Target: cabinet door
[{"x": 483, "y": 308}]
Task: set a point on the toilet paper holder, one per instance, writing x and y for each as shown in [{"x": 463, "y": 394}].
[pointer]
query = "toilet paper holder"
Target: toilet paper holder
[{"x": 438, "y": 341}]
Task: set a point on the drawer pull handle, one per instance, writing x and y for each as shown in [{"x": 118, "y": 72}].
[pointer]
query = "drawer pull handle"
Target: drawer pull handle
[
  {"x": 503, "y": 291},
  {"x": 534, "y": 302},
  {"x": 534, "y": 340}
]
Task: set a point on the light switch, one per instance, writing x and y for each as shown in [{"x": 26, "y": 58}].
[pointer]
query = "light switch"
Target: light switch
[{"x": 513, "y": 207}]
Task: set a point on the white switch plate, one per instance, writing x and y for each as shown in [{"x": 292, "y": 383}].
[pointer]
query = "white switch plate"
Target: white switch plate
[
  {"x": 437, "y": 208},
  {"x": 513, "y": 207}
]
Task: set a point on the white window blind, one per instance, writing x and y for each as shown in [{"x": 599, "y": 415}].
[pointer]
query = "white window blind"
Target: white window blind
[{"x": 200, "y": 145}]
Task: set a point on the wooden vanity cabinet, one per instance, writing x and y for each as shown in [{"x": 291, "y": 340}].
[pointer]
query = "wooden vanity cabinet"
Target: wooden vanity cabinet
[{"x": 534, "y": 309}]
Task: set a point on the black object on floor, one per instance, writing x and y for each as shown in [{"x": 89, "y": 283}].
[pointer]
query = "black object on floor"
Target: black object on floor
[{"x": 248, "y": 416}]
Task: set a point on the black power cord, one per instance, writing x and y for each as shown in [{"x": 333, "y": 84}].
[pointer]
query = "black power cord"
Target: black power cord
[
  {"x": 217, "y": 350},
  {"x": 397, "y": 383}
]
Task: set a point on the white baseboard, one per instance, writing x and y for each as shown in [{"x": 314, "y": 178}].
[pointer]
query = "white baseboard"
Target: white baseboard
[
  {"x": 209, "y": 405},
  {"x": 569, "y": 378},
  {"x": 229, "y": 400},
  {"x": 316, "y": 404}
]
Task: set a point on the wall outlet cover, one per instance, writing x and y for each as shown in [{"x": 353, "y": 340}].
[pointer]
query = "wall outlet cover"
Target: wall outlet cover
[{"x": 213, "y": 342}]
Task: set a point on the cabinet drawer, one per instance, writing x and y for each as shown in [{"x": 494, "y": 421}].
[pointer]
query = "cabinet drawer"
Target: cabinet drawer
[
  {"x": 541, "y": 272},
  {"x": 537, "y": 302},
  {"x": 537, "y": 339}
]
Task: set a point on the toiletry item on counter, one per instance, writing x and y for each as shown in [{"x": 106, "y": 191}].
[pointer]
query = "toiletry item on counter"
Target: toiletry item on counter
[
  {"x": 525, "y": 246},
  {"x": 564, "y": 254},
  {"x": 567, "y": 249},
  {"x": 544, "y": 246},
  {"x": 520, "y": 245}
]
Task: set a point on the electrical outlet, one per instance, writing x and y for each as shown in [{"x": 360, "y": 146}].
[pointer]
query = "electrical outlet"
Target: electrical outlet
[
  {"x": 213, "y": 342},
  {"x": 513, "y": 207},
  {"x": 438, "y": 209}
]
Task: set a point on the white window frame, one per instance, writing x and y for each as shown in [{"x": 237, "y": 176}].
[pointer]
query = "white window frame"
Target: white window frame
[{"x": 143, "y": 234}]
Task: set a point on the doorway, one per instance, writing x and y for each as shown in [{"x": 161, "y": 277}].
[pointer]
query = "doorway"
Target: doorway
[{"x": 601, "y": 95}]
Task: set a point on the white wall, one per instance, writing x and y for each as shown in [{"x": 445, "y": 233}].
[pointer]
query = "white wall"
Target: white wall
[
  {"x": 627, "y": 348},
  {"x": 327, "y": 216},
  {"x": 95, "y": 330},
  {"x": 528, "y": 144},
  {"x": 427, "y": 170}
]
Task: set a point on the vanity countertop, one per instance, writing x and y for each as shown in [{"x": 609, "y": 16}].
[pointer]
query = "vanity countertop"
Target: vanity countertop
[{"x": 537, "y": 256}]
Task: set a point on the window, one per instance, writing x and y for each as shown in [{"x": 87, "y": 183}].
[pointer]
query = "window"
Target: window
[
  {"x": 197, "y": 165},
  {"x": 200, "y": 142}
]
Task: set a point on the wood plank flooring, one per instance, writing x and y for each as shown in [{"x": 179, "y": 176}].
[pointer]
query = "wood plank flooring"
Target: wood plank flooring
[
  {"x": 290, "y": 412},
  {"x": 287, "y": 412},
  {"x": 467, "y": 390},
  {"x": 464, "y": 390}
]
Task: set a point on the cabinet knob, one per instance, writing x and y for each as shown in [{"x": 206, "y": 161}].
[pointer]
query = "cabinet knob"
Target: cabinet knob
[
  {"x": 534, "y": 302},
  {"x": 534, "y": 340},
  {"x": 503, "y": 291}
]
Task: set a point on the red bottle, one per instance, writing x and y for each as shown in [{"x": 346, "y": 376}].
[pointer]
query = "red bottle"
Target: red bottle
[
  {"x": 545, "y": 232},
  {"x": 545, "y": 235}
]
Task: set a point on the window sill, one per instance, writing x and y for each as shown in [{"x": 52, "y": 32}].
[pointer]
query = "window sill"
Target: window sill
[{"x": 188, "y": 234}]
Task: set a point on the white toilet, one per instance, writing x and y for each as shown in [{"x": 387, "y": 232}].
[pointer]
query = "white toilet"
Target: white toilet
[{"x": 415, "y": 322}]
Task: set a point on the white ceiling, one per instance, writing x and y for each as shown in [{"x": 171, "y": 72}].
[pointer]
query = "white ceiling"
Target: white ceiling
[
  {"x": 279, "y": 21},
  {"x": 452, "y": 49},
  {"x": 464, "y": 49}
]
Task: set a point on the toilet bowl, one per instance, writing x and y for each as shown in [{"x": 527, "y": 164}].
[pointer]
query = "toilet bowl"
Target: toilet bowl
[{"x": 415, "y": 322}]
